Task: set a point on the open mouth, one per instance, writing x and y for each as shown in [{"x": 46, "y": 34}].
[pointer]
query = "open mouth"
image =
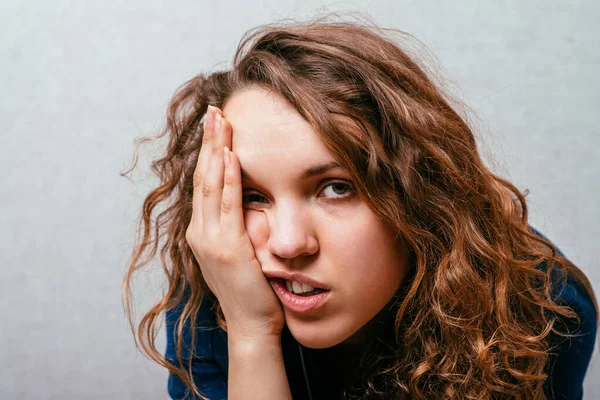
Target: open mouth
[
  {"x": 308, "y": 299},
  {"x": 301, "y": 289}
]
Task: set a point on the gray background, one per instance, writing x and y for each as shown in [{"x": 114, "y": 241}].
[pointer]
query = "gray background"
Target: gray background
[{"x": 81, "y": 80}]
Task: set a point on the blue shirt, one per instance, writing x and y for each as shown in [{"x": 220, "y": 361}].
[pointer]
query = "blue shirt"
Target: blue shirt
[{"x": 567, "y": 365}]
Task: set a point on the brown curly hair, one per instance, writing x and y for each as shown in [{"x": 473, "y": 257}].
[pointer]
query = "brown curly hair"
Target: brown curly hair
[{"x": 478, "y": 311}]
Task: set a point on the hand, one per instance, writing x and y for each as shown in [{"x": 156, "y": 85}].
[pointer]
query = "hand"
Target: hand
[{"x": 218, "y": 238}]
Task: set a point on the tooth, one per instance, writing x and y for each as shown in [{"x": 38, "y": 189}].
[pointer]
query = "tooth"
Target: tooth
[
  {"x": 297, "y": 287},
  {"x": 288, "y": 285},
  {"x": 307, "y": 288}
]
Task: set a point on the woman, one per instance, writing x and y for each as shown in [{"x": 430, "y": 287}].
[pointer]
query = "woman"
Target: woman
[{"x": 331, "y": 231}]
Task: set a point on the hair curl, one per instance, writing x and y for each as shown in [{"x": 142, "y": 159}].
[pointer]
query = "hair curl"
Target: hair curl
[{"x": 478, "y": 310}]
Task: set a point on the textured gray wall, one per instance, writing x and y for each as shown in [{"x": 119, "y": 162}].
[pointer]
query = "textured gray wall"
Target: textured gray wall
[{"x": 81, "y": 80}]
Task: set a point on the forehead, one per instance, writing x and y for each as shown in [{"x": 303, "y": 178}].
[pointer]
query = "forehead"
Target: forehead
[{"x": 265, "y": 125}]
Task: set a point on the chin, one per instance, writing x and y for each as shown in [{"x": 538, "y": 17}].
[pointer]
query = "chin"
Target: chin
[{"x": 318, "y": 335}]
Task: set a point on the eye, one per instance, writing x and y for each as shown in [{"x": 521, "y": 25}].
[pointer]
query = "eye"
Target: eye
[
  {"x": 338, "y": 190},
  {"x": 252, "y": 198},
  {"x": 332, "y": 191}
]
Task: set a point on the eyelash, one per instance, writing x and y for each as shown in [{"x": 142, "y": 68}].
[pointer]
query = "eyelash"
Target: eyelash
[{"x": 349, "y": 193}]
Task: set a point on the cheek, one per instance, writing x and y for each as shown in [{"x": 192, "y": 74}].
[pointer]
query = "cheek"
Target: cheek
[
  {"x": 371, "y": 257},
  {"x": 257, "y": 228}
]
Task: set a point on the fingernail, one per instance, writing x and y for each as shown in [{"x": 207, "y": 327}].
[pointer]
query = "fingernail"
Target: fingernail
[
  {"x": 210, "y": 115},
  {"x": 217, "y": 124}
]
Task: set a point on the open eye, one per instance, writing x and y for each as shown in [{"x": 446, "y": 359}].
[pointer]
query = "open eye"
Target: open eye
[
  {"x": 338, "y": 190},
  {"x": 332, "y": 191}
]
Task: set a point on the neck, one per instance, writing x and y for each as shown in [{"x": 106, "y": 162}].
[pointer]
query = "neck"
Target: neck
[{"x": 359, "y": 340}]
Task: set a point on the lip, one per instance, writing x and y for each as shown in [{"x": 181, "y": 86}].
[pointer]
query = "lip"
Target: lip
[
  {"x": 296, "y": 303},
  {"x": 295, "y": 277}
]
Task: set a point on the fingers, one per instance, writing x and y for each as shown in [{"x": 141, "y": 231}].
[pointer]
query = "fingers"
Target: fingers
[
  {"x": 202, "y": 165},
  {"x": 212, "y": 188},
  {"x": 207, "y": 140},
  {"x": 227, "y": 133},
  {"x": 213, "y": 205},
  {"x": 232, "y": 214}
]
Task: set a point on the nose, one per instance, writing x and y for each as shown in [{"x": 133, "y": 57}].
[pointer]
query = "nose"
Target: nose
[{"x": 291, "y": 233}]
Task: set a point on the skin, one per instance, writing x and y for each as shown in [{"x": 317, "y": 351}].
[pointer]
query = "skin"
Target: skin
[
  {"x": 316, "y": 226},
  {"x": 304, "y": 225},
  {"x": 217, "y": 236}
]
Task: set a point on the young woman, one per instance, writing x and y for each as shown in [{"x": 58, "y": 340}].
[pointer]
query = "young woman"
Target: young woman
[{"x": 329, "y": 230}]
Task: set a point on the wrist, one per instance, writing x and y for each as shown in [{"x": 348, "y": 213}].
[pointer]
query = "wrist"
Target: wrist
[{"x": 249, "y": 344}]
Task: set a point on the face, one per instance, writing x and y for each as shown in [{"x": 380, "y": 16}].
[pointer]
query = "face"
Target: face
[{"x": 313, "y": 225}]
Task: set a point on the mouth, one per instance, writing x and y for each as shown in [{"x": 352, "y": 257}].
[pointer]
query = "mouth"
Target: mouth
[
  {"x": 301, "y": 289},
  {"x": 307, "y": 299}
]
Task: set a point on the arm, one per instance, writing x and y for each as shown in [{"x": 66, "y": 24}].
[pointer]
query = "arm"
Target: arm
[
  {"x": 256, "y": 368},
  {"x": 222, "y": 247}
]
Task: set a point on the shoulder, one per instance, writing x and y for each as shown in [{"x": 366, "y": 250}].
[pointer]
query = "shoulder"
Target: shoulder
[
  {"x": 572, "y": 293},
  {"x": 208, "y": 355},
  {"x": 206, "y": 326},
  {"x": 570, "y": 356},
  {"x": 210, "y": 339}
]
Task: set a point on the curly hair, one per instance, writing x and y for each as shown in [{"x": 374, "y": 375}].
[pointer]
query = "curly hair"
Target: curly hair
[{"x": 478, "y": 311}]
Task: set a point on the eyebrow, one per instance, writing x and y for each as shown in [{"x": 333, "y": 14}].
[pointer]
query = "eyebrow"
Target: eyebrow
[{"x": 309, "y": 173}]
